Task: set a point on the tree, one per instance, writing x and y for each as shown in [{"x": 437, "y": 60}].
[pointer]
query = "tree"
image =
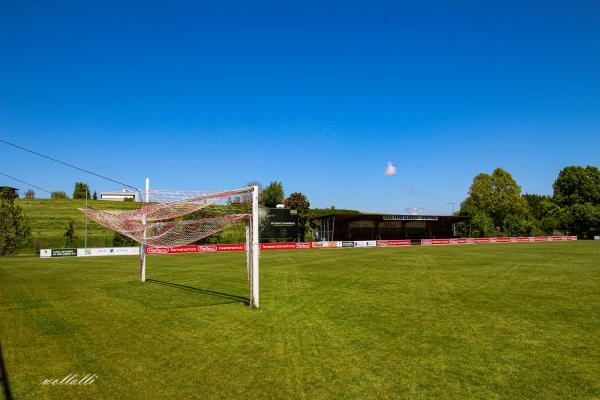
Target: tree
[
  {"x": 542, "y": 215},
  {"x": 496, "y": 195},
  {"x": 577, "y": 192},
  {"x": 30, "y": 194},
  {"x": 15, "y": 231},
  {"x": 481, "y": 195},
  {"x": 549, "y": 224},
  {"x": 120, "y": 240},
  {"x": 521, "y": 225},
  {"x": 539, "y": 206},
  {"x": 70, "y": 235},
  {"x": 583, "y": 219},
  {"x": 272, "y": 195},
  {"x": 8, "y": 193},
  {"x": 58, "y": 195},
  {"x": 81, "y": 190},
  {"x": 95, "y": 196},
  {"x": 298, "y": 201},
  {"x": 244, "y": 198},
  {"x": 482, "y": 225},
  {"x": 577, "y": 185}
]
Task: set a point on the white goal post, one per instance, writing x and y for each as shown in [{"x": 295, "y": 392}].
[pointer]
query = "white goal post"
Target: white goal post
[{"x": 170, "y": 218}]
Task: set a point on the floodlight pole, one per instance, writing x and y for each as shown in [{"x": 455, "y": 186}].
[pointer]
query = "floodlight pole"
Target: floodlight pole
[
  {"x": 452, "y": 207},
  {"x": 254, "y": 298},
  {"x": 143, "y": 246}
]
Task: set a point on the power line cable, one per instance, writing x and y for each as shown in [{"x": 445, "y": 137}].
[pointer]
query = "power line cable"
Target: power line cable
[
  {"x": 67, "y": 164},
  {"x": 27, "y": 183}
]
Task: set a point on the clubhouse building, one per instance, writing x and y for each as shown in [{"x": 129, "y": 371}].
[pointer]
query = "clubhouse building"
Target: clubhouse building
[{"x": 349, "y": 226}]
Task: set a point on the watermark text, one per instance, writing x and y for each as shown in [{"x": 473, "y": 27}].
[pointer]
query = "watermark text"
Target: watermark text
[{"x": 72, "y": 379}]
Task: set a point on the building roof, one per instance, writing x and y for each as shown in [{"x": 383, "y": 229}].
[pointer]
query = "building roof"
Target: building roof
[
  {"x": 392, "y": 217},
  {"x": 119, "y": 193}
]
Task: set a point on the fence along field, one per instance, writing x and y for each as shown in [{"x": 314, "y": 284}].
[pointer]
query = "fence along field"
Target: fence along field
[{"x": 212, "y": 248}]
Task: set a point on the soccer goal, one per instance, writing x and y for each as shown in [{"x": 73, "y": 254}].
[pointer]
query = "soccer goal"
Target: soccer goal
[{"x": 169, "y": 218}]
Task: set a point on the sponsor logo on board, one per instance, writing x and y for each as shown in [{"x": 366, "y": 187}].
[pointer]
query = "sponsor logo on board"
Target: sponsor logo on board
[
  {"x": 157, "y": 250},
  {"x": 207, "y": 249},
  {"x": 63, "y": 253}
]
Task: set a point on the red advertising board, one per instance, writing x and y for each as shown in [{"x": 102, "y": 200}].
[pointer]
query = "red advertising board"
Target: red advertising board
[
  {"x": 393, "y": 243},
  {"x": 157, "y": 250},
  {"x": 277, "y": 246},
  {"x": 286, "y": 246},
  {"x": 208, "y": 248},
  {"x": 225, "y": 247},
  {"x": 231, "y": 247},
  {"x": 195, "y": 249},
  {"x": 172, "y": 250},
  {"x": 183, "y": 249}
]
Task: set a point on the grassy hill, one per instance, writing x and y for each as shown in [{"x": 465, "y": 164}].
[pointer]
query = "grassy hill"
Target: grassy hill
[{"x": 49, "y": 219}]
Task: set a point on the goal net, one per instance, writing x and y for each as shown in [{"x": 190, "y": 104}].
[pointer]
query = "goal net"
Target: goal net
[{"x": 169, "y": 218}]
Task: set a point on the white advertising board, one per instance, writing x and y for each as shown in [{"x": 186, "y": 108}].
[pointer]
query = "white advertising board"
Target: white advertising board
[
  {"x": 90, "y": 252},
  {"x": 365, "y": 243},
  {"x": 108, "y": 251}
]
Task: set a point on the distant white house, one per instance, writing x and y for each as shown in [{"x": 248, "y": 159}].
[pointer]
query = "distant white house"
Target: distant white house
[{"x": 119, "y": 196}]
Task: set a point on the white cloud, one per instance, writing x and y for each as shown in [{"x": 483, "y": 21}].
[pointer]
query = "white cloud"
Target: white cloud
[
  {"x": 390, "y": 170},
  {"x": 416, "y": 210}
]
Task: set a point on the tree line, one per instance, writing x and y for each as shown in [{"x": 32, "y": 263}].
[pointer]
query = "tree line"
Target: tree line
[
  {"x": 80, "y": 191},
  {"x": 497, "y": 207}
]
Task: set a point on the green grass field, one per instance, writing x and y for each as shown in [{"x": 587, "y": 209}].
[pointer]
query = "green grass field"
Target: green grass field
[{"x": 480, "y": 321}]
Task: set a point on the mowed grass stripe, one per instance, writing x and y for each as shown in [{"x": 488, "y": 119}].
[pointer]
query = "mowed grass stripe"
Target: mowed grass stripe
[{"x": 484, "y": 321}]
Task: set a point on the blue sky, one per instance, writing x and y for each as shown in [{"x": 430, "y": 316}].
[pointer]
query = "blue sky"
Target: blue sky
[{"x": 318, "y": 95}]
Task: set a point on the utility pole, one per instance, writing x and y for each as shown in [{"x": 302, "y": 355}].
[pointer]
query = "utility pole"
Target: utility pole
[{"x": 452, "y": 207}]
